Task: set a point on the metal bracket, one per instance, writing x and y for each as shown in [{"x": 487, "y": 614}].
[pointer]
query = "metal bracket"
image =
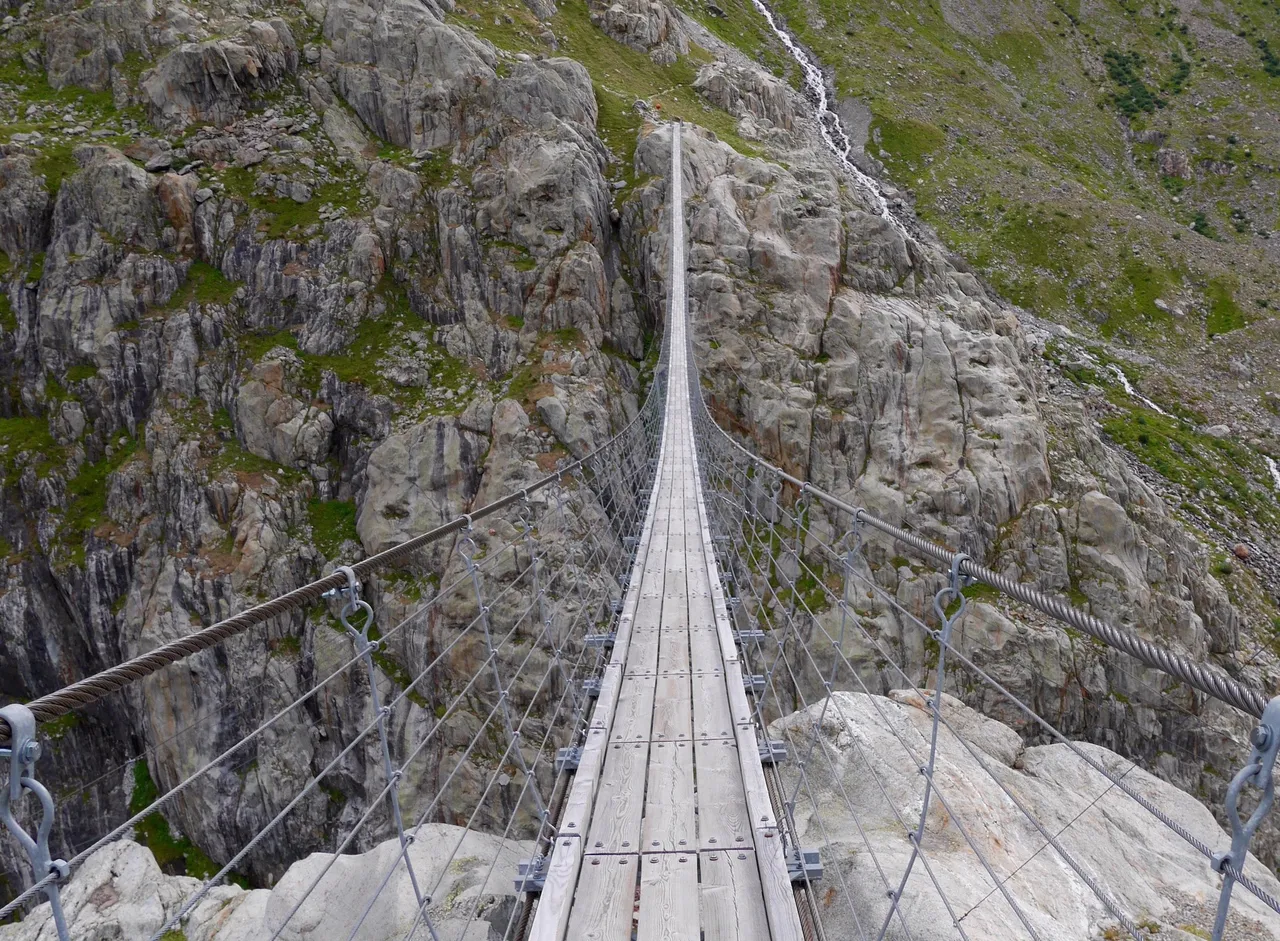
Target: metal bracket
[
  {"x": 601, "y": 640},
  {"x": 592, "y": 686},
  {"x": 771, "y": 753},
  {"x": 532, "y": 875},
  {"x": 732, "y": 602},
  {"x": 755, "y": 683},
  {"x": 22, "y": 754},
  {"x": 615, "y": 605},
  {"x": 568, "y": 759},
  {"x": 1258, "y": 771},
  {"x": 804, "y": 866},
  {"x": 747, "y": 637}
]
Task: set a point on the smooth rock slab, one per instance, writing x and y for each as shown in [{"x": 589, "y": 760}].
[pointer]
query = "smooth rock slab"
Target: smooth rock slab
[
  {"x": 873, "y": 747},
  {"x": 120, "y": 894}
]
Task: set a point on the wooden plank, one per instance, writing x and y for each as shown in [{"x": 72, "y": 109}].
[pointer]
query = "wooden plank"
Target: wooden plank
[
  {"x": 669, "y": 898},
  {"x": 669, "y": 819},
  {"x": 759, "y": 804},
  {"x": 723, "y": 820},
  {"x": 711, "y": 718},
  {"x": 739, "y": 705},
  {"x": 672, "y": 709},
  {"x": 619, "y": 807},
  {"x": 582, "y": 793},
  {"x": 643, "y": 651},
  {"x": 673, "y": 651},
  {"x": 633, "y": 717},
  {"x": 775, "y": 885},
  {"x": 729, "y": 897},
  {"x": 604, "y": 906},
  {"x": 704, "y": 647},
  {"x": 649, "y": 610},
  {"x": 556, "y": 901},
  {"x": 610, "y": 687}
]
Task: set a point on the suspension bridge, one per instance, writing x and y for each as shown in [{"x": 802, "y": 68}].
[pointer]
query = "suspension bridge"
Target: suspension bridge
[{"x": 655, "y": 637}]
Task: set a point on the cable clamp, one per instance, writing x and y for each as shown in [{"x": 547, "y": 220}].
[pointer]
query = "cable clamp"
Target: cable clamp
[
  {"x": 23, "y": 752},
  {"x": 1258, "y": 771}
]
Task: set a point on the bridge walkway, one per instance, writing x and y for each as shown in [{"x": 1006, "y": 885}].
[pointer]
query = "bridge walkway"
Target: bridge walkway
[{"x": 669, "y": 831}]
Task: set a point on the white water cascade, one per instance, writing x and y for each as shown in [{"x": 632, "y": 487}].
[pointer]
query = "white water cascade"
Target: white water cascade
[
  {"x": 832, "y": 130},
  {"x": 1134, "y": 393}
]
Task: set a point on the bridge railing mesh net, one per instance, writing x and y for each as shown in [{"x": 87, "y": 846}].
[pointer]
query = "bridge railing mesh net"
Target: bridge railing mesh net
[
  {"x": 834, "y": 650},
  {"x": 449, "y": 707}
]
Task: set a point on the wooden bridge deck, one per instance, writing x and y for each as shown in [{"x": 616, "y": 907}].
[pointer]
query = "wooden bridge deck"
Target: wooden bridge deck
[{"x": 668, "y": 831}]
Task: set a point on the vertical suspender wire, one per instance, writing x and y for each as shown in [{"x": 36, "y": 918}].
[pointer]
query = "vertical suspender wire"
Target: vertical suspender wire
[
  {"x": 216, "y": 877},
  {"x": 513, "y": 744},
  {"x": 468, "y": 548},
  {"x": 952, "y": 594},
  {"x": 789, "y": 832},
  {"x": 1107, "y": 901},
  {"x": 546, "y": 738},
  {"x": 365, "y": 647},
  {"x": 449, "y": 710}
]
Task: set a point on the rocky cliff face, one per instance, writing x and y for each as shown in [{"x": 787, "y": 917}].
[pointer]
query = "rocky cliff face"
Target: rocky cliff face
[{"x": 287, "y": 283}]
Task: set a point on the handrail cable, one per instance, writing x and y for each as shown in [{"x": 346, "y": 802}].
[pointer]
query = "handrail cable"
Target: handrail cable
[{"x": 1207, "y": 679}]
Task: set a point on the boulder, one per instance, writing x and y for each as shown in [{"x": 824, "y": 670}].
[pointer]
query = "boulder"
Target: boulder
[
  {"x": 644, "y": 25},
  {"x": 747, "y": 92},
  {"x": 212, "y": 81},
  {"x": 418, "y": 480},
  {"x": 863, "y": 795},
  {"x": 278, "y": 427},
  {"x": 120, "y": 894}
]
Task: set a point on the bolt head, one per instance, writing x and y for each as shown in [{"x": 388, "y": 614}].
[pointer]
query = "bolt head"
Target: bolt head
[
  {"x": 32, "y": 752},
  {"x": 1260, "y": 737}
]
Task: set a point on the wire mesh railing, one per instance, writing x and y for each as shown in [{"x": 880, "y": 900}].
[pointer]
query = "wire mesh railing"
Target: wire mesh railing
[
  {"x": 455, "y": 712},
  {"x": 817, "y": 620}
]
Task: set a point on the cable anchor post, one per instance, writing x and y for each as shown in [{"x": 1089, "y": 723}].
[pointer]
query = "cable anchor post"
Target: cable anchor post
[
  {"x": 22, "y": 754},
  {"x": 1258, "y": 771},
  {"x": 365, "y": 647}
]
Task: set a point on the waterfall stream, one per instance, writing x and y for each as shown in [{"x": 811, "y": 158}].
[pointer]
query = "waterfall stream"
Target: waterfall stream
[{"x": 832, "y": 130}]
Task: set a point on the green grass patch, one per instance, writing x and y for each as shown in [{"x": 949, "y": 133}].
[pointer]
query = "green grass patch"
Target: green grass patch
[
  {"x": 333, "y": 522},
  {"x": 1019, "y": 49},
  {"x": 81, "y": 373},
  {"x": 1270, "y": 61},
  {"x": 205, "y": 284},
  {"x": 86, "y": 506},
  {"x": 257, "y": 345},
  {"x": 61, "y": 727},
  {"x": 281, "y": 216},
  {"x": 1220, "y": 470},
  {"x": 1225, "y": 314},
  {"x": 174, "y": 856},
  {"x": 1132, "y": 96},
  {"x": 377, "y": 338},
  {"x": 27, "y": 435},
  {"x": 906, "y": 141},
  {"x": 55, "y": 163}
]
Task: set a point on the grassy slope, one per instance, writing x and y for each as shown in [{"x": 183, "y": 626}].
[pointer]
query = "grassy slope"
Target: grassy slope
[{"x": 1005, "y": 121}]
